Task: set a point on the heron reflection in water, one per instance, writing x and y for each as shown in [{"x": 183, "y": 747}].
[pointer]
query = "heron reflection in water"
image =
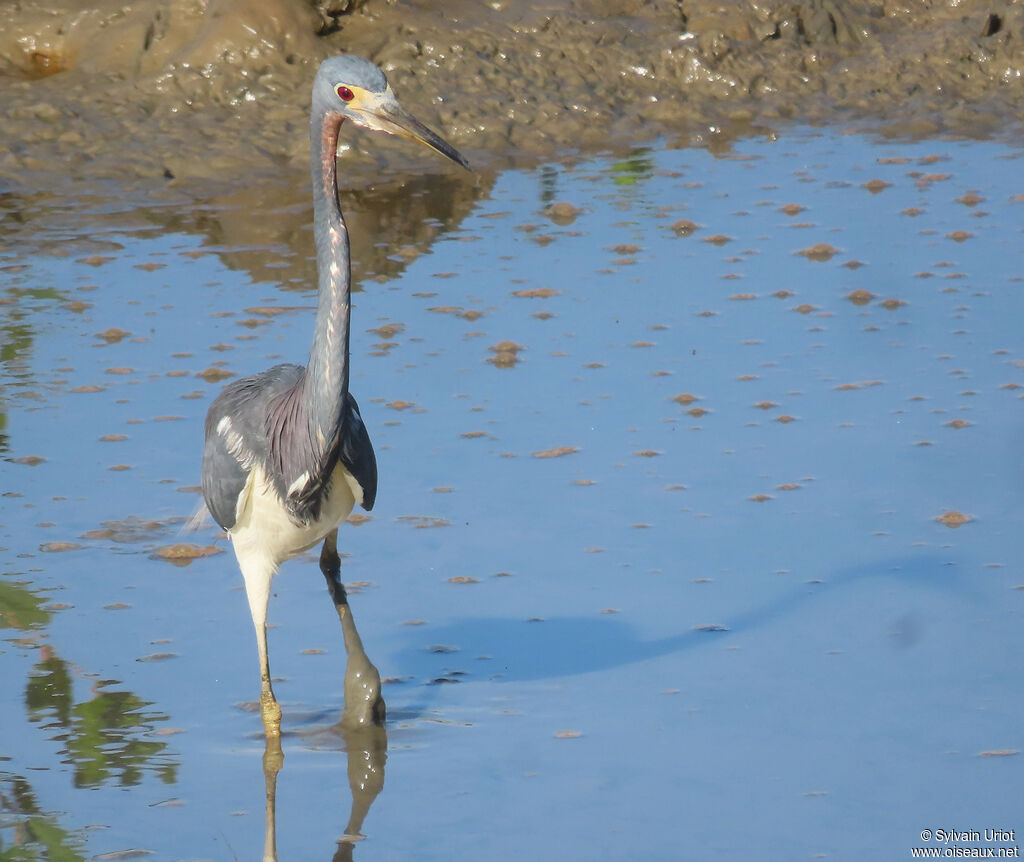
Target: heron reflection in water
[
  {"x": 366, "y": 747},
  {"x": 287, "y": 455}
]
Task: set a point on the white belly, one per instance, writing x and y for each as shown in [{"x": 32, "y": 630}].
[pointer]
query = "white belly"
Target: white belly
[{"x": 264, "y": 530}]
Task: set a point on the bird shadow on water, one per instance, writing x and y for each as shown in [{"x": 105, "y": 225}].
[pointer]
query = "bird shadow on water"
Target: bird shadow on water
[{"x": 505, "y": 650}]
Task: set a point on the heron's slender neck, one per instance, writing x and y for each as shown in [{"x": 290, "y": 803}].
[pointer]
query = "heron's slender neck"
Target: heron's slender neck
[{"x": 326, "y": 380}]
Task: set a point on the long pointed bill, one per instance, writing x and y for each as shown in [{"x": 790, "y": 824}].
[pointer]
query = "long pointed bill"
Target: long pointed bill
[{"x": 389, "y": 116}]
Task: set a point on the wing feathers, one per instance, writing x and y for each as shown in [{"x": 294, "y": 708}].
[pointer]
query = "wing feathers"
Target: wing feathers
[{"x": 260, "y": 420}]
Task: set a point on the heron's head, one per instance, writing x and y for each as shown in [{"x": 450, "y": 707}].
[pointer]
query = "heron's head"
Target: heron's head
[{"x": 357, "y": 90}]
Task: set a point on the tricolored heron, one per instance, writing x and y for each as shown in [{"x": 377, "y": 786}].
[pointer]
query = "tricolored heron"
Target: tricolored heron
[{"x": 287, "y": 455}]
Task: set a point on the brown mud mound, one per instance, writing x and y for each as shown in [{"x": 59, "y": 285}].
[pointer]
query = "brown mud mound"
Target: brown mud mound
[{"x": 194, "y": 92}]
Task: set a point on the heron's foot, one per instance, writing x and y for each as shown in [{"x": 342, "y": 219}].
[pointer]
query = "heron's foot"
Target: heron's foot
[{"x": 271, "y": 712}]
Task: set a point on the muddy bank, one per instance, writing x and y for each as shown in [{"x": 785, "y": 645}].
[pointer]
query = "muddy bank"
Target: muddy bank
[{"x": 164, "y": 95}]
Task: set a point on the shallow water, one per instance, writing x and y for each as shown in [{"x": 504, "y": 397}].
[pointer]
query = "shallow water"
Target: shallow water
[{"x": 662, "y": 578}]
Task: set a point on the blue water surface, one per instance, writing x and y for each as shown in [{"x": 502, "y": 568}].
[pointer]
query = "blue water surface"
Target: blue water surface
[{"x": 733, "y": 616}]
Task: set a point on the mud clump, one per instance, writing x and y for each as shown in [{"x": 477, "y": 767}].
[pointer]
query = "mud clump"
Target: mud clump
[
  {"x": 556, "y": 452},
  {"x": 506, "y": 354},
  {"x": 562, "y": 213},
  {"x": 685, "y": 399},
  {"x": 684, "y": 227},
  {"x": 183, "y": 553},
  {"x": 820, "y": 252},
  {"x": 954, "y": 519}
]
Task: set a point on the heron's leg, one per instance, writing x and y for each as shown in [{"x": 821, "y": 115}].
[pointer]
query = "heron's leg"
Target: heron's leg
[
  {"x": 364, "y": 705},
  {"x": 258, "y": 575}
]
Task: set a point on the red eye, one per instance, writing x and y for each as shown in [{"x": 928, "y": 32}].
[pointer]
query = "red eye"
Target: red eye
[{"x": 344, "y": 93}]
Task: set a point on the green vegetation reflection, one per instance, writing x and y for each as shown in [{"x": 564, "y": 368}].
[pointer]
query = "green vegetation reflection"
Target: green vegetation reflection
[
  {"x": 20, "y": 608},
  {"x": 102, "y": 736},
  {"x": 635, "y": 168},
  {"x": 26, "y": 832}
]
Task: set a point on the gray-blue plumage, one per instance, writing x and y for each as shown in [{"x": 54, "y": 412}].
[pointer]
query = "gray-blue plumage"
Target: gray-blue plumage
[
  {"x": 267, "y": 415},
  {"x": 348, "y": 69},
  {"x": 287, "y": 454}
]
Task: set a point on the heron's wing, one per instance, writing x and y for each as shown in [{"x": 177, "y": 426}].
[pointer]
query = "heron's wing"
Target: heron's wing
[
  {"x": 223, "y": 480},
  {"x": 356, "y": 453},
  {"x": 236, "y": 437},
  {"x": 259, "y": 421}
]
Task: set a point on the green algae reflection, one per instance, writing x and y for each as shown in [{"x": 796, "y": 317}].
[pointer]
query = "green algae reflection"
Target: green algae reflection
[
  {"x": 636, "y": 168},
  {"x": 103, "y": 737},
  {"x": 27, "y": 833},
  {"x": 20, "y": 608}
]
